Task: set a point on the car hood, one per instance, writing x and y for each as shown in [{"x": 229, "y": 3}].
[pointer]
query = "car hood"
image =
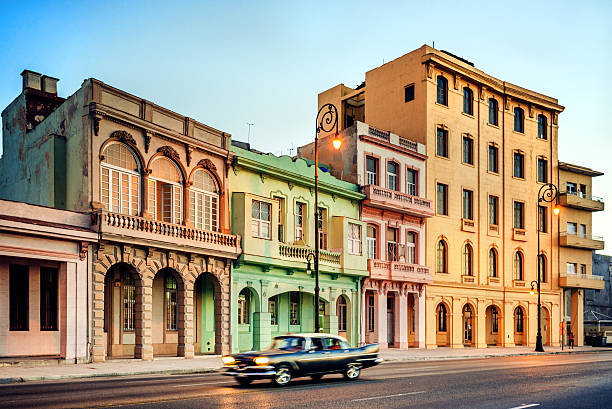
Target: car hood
[{"x": 269, "y": 354}]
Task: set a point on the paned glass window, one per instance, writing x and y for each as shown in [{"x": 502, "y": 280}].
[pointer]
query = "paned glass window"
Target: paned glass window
[
  {"x": 273, "y": 310},
  {"x": 171, "y": 303},
  {"x": 518, "y": 266},
  {"x": 244, "y": 306},
  {"x": 467, "y": 260},
  {"x": 392, "y": 176},
  {"x": 354, "y": 239},
  {"x": 542, "y": 127},
  {"x": 120, "y": 180},
  {"x": 493, "y": 159},
  {"x": 493, "y": 110},
  {"x": 468, "y": 150},
  {"x": 492, "y": 263},
  {"x": 519, "y": 120},
  {"x": 441, "y": 257},
  {"x": 493, "y": 206},
  {"x": 260, "y": 219},
  {"x": 518, "y": 319},
  {"x": 129, "y": 302},
  {"x": 442, "y": 94},
  {"x": 412, "y": 182},
  {"x": 19, "y": 297},
  {"x": 371, "y": 313},
  {"x": 371, "y": 242},
  {"x": 519, "y": 215},
  {"x": 411, "y": 254},
  {"x": 519, "y": 165},
  {"x": 542, "y": 219},
  {"x": 441, "y": 318},
  {"x": 294, "y": 308},
  {"x": 468, "y": 101},
  {"x": 371, "y": 170},
  {"x": 166, "y": 191},
  {"x": 341, "y": 311},
  {"x": 322, "y": 221},
  {"x": 48, "y": 299},
  {"x": 204, "y": 201},
  {"x": 542, "y": 170},
  {"x": 442, "y": 142},
  {"x": 468, "y": 211},
  {"x": 299, "y": 221},
  {"x": 442, "y": 198}
]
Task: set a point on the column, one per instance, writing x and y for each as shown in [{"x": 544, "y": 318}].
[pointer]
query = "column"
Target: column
[
  {"x": 419, "y": 317},
  {"x": 262, "y": 330},
  {"x": 577, "y": 307},
  {"x": 185, "y": 324},
  {"x": 98, "y": 344},
  {"x": 362, "y": 318},
  {"x": 456, "y": 326},
  {"x": 430, "y": 324},
  {"x": 508, "y": 325},
  {"x": 402, "y": 319},
  {"x": 481, "y": 325},
  {"x": 381, "y": 318},
  {"x": 144, "y": 319},
  {"x": 330, "y": 319}
]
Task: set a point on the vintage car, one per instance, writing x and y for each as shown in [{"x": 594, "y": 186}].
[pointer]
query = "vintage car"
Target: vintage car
[{"x": 296, "y": 355}]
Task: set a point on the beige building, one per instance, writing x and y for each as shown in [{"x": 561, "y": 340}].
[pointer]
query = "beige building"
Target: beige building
[
  {"x": 490, "y": 146},
  {"x": 577, "y": 243}
]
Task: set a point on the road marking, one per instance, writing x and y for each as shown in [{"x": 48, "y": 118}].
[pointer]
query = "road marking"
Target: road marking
[
  {"x": 199, "y": 384},
  {"x": 530, "y": 405},
  {"x": 561, "y": 374},
  {"x": 388, "y": 396}
]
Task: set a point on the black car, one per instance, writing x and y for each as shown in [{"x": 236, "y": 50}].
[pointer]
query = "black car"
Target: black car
[{"x": 297, "y": 355}]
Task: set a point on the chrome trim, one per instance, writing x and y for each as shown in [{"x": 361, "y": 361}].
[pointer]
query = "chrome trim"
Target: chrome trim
[{"x": 244, "y": 374}]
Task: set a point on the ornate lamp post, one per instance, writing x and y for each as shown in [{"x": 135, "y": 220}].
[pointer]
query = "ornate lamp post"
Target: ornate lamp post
[
  {"x": 546, "y": 194},
  {"x": 326, "y": 121}
]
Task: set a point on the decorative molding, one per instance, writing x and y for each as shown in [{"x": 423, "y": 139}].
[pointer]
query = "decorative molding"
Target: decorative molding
[
  {"x": 481, "y": 92},
  {"x": 456, "y": 79},
  {"x": 188, "y": 151},
  {"x": 507, "y": 103},
  {"x": 96, "y": 124},
  {"x": 169, "y": 151},
  {"x": 262, "y": 177},
  {"x": 555, "y": 117},
  {"x": 124, "y": 136},
  {"x": 429, "y": 66},
  {"x": 208, "y": 164},
  {"x": 83, "y": 249},
  {"x": 530, "y": 110},
  {"x": 147, "y": 139},
  {"x": 290, "y": 185}
]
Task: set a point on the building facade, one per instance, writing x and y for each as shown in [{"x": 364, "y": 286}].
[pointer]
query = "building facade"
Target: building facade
[
  {"x": 577, "y": 244},
  {"x": 598, "y": 303},
  {"x": 45, "y": 261},
  {"x": 155, "y": 183},
  {"x": 490, "y": 146},
  {"x": 391, "y": 172},
  {"x": 272, "y": 201}
]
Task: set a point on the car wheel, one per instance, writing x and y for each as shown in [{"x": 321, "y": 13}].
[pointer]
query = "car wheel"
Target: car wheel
[
  {"x": 244, "y": 381},
  {"x": 316, "y": 377},
  {"x": 282, "y": 377},
  {"x": 352, "y": 372}
]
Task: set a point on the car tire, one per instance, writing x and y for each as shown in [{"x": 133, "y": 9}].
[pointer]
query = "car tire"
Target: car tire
[
  {"x": 352, "y": 372},
  {"x": 282, "y": 377},
  {"x": 316, "y": 377},
  {"x": 244, "y": 381}
]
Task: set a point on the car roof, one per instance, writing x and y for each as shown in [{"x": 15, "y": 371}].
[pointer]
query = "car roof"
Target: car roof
[{"x": 313, "y": 335}]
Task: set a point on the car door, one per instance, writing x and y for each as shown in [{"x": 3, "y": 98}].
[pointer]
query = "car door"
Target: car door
[
  {"x": 335, "y": 355},
  {"x": 311, "y": 360}
]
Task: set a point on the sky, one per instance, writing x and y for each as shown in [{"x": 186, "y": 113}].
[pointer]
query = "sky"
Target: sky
[{"x": 230, "y": 63}]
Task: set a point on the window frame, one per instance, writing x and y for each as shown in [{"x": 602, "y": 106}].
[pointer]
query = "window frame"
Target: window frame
[
  {"x": 493, "y": 159},
  {"x": 49, "y": 298},
  {"x": 518, "y": 165},
  {"x": 372, "y": 176},
  {"x": 442, "y": 200},
  {"x": 409, "y": 93},
  {"x": 441, "y": 257},
  {"x": 134, "y": 206},
  {"x": 171, "y": 302},
  {"x": 518, "y": 266},
  {"x": 467, "y": 260},
  {"x": 542, "y": 127},
  {"x": 468, "y": 101},
  {"x": 493, "y": 206},
  {"x": 493, "y": 267},
  {"x": 467, "y": 150},
  {"x": 372, "y": 242},
  {"x": 396, "y": 175},
  {"x": 467, "y": 204},
  {"x": 200, "y": 201},
  {"x": 493, "y": 112},
  {"x": 442, "y": 90},
  {"x": 542, "y": 170},
  {"x": 342, "y": 313},
  {"x": 19, "y": 297},
  {"x": 259, "y": 225},
  {"x": 542, "y": 219},
  {"x": 518, "y": 223},
  {"x": 519, "y": 120},
  {"x": 442, "y": 143},
  {"x": 354, "y": 240},
  {"x": 412, "y": 188},
  {"x": 442, "y": 317}
]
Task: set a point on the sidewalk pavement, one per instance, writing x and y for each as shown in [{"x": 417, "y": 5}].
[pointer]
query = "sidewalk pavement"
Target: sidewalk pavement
[{"x": 212, "y": 363}]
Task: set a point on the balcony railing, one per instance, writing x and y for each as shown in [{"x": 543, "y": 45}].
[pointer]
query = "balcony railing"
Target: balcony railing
[
  {"x": 379, "y": 133},
  {"x": 571, "y": 280},
  {"x": 167, "y": 234},
  {"x": 301, "y": 252},
  {"x": 393, "y": 200},
  {"x": 583, "y": 196},
  {"x": 581, "y": 201},
  {"x": 583, "y": 241},
  {"x": 581, "y": 276},
  {"x": 398, "y": 271}
]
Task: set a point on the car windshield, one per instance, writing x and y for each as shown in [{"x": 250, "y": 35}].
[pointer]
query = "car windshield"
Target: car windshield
[{"x": 287, "y": 344}]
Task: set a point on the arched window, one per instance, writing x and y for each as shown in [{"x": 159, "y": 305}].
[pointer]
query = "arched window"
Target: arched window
[
  {"x": 204, "y": 201},
  {"x": 518, "y": 266},
  {"x": 166, "y": 191},
  {"x": 493, "y": 109},
  {"x": 244, "y": 306},
  {"x": 171, "y": 303},
  {"x": 411, "y": 240},
  {"x": 442, "y": 90},
  {"x": 120, "y": 179},
  {"x": 371, "y": 242},
  {"x": 492, "y": 263},
  {"x": 441, "y": 257},
  {"x": 341, "y": 310},
  {"x": 494, "y": 321},
  {"x": 518, "y": 320},
  {"x": 467, "y": 260},
  {"x": 542, "y": 129},
  {"x": 441, "y": 317},
  {"x": 542, "y": 267},
  {"x": 468, "y": 101},
  {"x": 519, "y": 120}
]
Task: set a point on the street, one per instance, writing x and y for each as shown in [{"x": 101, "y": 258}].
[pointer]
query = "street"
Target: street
[{"x": 547, "y": 381}]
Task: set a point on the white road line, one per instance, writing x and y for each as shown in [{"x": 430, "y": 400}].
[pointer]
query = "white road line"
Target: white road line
[
  {"x": 388, "y": 396},
  {"x": 201, "y": 383},
  {"x": 531, "y": 405}
]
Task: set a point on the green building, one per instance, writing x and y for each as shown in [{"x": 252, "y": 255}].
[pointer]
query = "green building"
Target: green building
[{"x": 272, "y": 207}]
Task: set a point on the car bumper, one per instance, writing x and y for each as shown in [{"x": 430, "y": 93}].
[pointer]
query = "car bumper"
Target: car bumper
[
  {"x": 369, "y": 362},
  {"x": 250, "y": 371}
]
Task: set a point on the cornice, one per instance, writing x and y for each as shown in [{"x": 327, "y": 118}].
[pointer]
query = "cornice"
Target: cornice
[{"x": 390, "y": 146}]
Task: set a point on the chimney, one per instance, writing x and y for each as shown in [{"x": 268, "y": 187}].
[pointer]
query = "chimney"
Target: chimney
[
  {"x": 49, "y": 84},
  {"x": 31, "y": 79}
]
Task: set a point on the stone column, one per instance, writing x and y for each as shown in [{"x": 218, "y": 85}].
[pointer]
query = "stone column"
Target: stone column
[
  {"x": 185, "y": 324},
  {"x": 481, "y": 324},
  {"x": 402, "y": 319},
  {"x": 98, "y": 344},
  {"x": 456, "y": 327},
  {"x": 419, "y": 316},
  {"x": 362, "y": 318},
  {"x": 508, "y": 325},
  {"x": 577, "y": 316},
  {"x": 262, "y": 331},
  {"x": 330, "y": 319},
  {"x": 144, "y": 319},
  {"x": 381, "y": 318},
  {"x": 431, "y": 323},
  {"x": 223, "y": 315}
]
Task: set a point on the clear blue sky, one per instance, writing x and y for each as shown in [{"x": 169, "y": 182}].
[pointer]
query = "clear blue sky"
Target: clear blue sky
[{"x": 229, "y": 63}]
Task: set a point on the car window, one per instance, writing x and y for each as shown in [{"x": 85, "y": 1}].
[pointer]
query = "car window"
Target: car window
[
  {"x": 332, "y": 343},
  {"x": 317, "y": 343},
  {"x": 288, "y": 343},
  {"x": 344, "y": 345}
]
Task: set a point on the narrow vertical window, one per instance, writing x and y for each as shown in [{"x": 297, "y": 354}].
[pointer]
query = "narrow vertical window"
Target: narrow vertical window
[
  {"x": 542, "y": 127},
  {"x": 468, "y": 212},
  {"x": 442, "y": 94},
  {"x": 492, "y": 263},
  {"x": 409, "y": 93},
  {"x": 519, "y": 120},
  {"x": 493, "y": 111},
  {"x": 542, "y": 213},
  {"x": 203, "y": 201},
  {"x": 411, "y": 254},
  {"x": 244, "y": 306},
  {"x": 322, "y": 222},
  {"x": 129, "y": 302},
  {"x": 294, "y": 308},
  {"x": 441, "y": 318},
  {"x": 519, "y": 216},
  {"x": 494, "y": 321},
  {"x": 166, "y": 197},
  {"x": 273, "y": 310},
  {"x": 392, "y": 176},
  {"x": 260, "y": 219},
  {"x": 519, "y": 320},
  {"x": 341, "y": 310},
  {"x": 493, "y": 159},
  {"x": 19, "y": 297},
  {"x": 371, "y": 242},
  {"x": 468, "y": 101},
  {"x": 120, "y": 179},
  {"x": 371, "y": 313},
  {"x": 542, "y": 170},
  {"x": 48, "y": 299},
  {"x": 171, "y": 303},
  {"x": 442, "y": 142},
  {"x": 371, "y": 170},
  {"x": 392, "y": 254},
  {"x": 411, "y": 182},
  {"x": 442, "y": 198},
  {"x": 281, "y": 218},
  {"x": 468, "y": 150},
  {"x": 493, "y": 204},
  {"x": 354, "y": 240},
  {"x": 519, "y": 165},
  {"x": 518, "y": 266},
  {"x": 441, "y": 257},
  {"x": 542, "y": 267},
  {"x": 467, "y": 260},
  {"x": 299, "y": 221}
]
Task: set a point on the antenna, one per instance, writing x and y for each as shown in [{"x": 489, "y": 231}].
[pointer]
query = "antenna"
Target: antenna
[{"x": 249, "y": 124}]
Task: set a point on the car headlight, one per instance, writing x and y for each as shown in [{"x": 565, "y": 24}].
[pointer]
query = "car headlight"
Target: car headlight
[
  {"x": 262, "y": 360},
  {"x": 228, "y": 360}
]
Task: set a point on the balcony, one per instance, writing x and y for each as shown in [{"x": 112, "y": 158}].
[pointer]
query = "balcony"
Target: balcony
[
  {"x": 496, "y": 281},
  {"x": 519, "y": 234},
  {"x": 387, "y": 199},
  {"x": 398, "y": 271},
  {"x": 581, "y": 201},
  {"x": 468, "y": 279},
  {"x": 146, "y": 232},
  {"x": 581, "y": 241},
  {"x": 299, "y": 254},
  {"x": 589, "y": 281},
  {"x": 468, "y": 225}
]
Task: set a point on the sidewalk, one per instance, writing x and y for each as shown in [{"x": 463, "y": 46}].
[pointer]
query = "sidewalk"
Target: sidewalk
[{"x": 211, "y": 363}]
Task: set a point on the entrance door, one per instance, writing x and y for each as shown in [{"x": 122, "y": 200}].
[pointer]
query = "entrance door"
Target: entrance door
[
  {"x": 391, "y": 320},
  {"x": 467, "y": 325}
]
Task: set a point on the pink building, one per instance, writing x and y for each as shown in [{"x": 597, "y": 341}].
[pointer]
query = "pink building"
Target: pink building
[
  {"x": 391, "y": 171},
  {"x": 45, "y": 282}
]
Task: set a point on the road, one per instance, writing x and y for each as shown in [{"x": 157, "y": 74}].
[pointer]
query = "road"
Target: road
[{"x": 546, "y": 381}]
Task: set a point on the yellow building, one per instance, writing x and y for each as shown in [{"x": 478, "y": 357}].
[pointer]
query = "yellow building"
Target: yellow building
[
  {"x": 490, "y": 146},
  {"x": 577, "y": 243}
]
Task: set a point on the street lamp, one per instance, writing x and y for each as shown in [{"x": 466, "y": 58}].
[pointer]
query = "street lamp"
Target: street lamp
[
  {"x": 326, "y": 121},
  {"x": 547, "y": 193}
]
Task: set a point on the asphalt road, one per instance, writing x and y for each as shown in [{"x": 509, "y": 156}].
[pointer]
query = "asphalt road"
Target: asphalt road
[{"x": 547, "y": 381}]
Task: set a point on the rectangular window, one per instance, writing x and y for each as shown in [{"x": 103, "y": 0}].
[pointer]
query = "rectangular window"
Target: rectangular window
[
  {"x": 299, "y": 221},
  {"x": 411, "y": 182},
  {"x": 583, "y": 191},
  {"x": 354, "y": 240},
  {"x": 571, "y": 268},
  {"x": 322, "y": 221},
  {"x": 583, "y": 230},
  {"x": 129, "y": 303},
  {"x": 371, "y": 170},
  {"x": 19, "y": 297},
  {"x": 371, "y": 313},
  {"x": 493, "y": 111},
  {"x": 442, "y": 198},
  {"x": 371, "y": 242},
  {"x": 392, "y": 176},
  {"x": 468, "y": 212},
  {"x": 519, "y": 213},
  {"x": 582, "y": 269},
  {"x": 260, "y": 219},
  {"x": 468, "y": 150},
  {"x": 493, "y": 159},
  {"x": 411, "y": 239},
  {"x": 409, "y": 93},
  {"x": 392, "y": 254},
  {"x": 294, "y": 308},
  {"x": 281, "y": 218},
  {"x": 493, "y": 212},
  {"x": 571, "y": 188},
  {"x": 542, "y": 218},
  {"x": 272, "y": 309},
  {"x": 119, "y": 191},
  {"x": 48, "y": 299},
  {"x": 542, "y": 170},
  {"x": 519, "y": 165},
  {"x": 442, "y": 143},
  {"x": 243, "y": 308},
  {"x": 572, "y": 228},
  {"x": 171, "y": 294}
]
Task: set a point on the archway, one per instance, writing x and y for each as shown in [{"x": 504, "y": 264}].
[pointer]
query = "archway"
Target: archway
[
  {"x": 371, "y": 335},
  {"x": 520, "y": 326},
  {"x": 206, "y": 300},
  {"x": 121, "y": 322},
  {"x": 167, "y": 312},
  {"x": 391, "y": 342},
  {"x": 411, "y": 320},
  {"x": 468, "y": 325},
  {"x": 247, "y": 306},
  {"x": 546, "y": 328},
  {"x": 442, "y": 325},
  {"x": 493, "y": 319},
  {"x": 344, "y": 314}
]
